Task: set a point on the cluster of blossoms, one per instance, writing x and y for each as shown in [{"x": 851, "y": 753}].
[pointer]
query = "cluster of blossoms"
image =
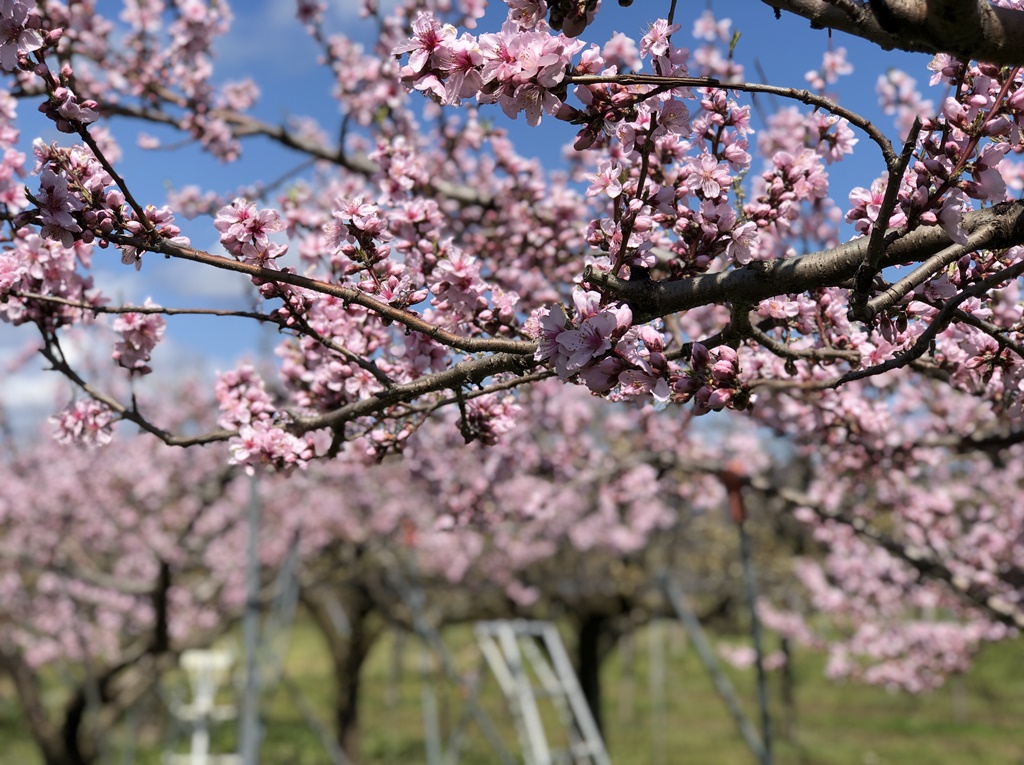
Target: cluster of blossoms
[
  {"x": 246, "y": 407},
  {"x": 140, "y": 333},
  {"x": 517, "y": 69},
  {"x": 86, "y": 421},
  {"x": 960, "y": 151},
  {"x": 713, "y": 382},
  {"x": 573, "y": 349},
  {"x": 245, "y": 233},
  {"x": 78, "y": 203},
  {"x": 605, "y": 352},
  {"x": 443, "y": 239}
]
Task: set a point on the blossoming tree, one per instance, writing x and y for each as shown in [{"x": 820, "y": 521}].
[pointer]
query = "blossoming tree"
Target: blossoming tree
[{"x": 690, "y": 254}]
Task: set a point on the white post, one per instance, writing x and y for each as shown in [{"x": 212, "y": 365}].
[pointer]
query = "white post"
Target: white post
[{"x": 207, "y": 671}]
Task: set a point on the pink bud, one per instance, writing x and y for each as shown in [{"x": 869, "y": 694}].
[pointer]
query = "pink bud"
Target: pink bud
[{"x": 699, "y": 356}]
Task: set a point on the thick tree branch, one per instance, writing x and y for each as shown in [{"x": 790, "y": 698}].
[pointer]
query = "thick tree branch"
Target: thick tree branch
[
  {"x": 827, "y": 268},
  {"x": 968, "y": 29},
  {"x": 469, "y": 372}
]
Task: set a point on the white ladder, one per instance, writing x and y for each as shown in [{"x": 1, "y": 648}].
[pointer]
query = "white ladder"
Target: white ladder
[{"x": 512, "y": 649}]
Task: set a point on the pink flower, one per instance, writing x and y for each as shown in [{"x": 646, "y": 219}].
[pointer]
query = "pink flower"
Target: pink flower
[
  {"x": 56, "y": 206},
  {"x": 578, "y": 347},
  {"x": 15, "y": 39},
  {"x": 429, "y": 37},
  {"x": 545, "y": 325},
  {"x": 265, "y": 445},
  {"x": 240, "y": 223},
  {"x": 462, "y": 62},
  {"x": 11, "y": 271},
  {"x": 70, "y": 109},
  {"x": 527, "y": 13},
  {"x": 656, "y": 40},
  {"x": 708, "y": 176},
  {"x": 951, "y": 215},
  {"x": 778, "y": 308},
  {"x": 592, "y": 339},
  {"x": 621, "y": 51},
  {"x": 607, "y": 180},
  {"x": 675, "y": 118}
]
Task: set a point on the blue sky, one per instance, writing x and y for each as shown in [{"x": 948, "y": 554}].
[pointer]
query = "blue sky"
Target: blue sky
[{"x": 265, "y": 43}]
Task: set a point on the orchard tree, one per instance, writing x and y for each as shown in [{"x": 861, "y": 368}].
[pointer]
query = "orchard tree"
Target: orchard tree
[
  {"x": 690, "y": 256},
  {"x": 564, "y": 522},
  {"x": 109, "y": 569}
]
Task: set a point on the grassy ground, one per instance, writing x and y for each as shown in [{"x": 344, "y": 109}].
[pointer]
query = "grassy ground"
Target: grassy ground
[{"x": 977, "y": 719}]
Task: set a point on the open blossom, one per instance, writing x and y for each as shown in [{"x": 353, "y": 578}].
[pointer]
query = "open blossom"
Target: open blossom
[
  {"x": 706, "y": 27},
  {"x": 429, "y": 37},
  {"x": 527, "y": 13},
  {"x": 57, "y": 206},
  {"x": 14, "y": 37},
  {"x": 621, "y": 52},
  {"x": 240, "y": 223},
  {"x": 571, "y": 349},
  {"x": 545, "y": 325},
  {"x": 592, "y": 339},
  {"x": 462, "y": 62},
  {"x": 708, "y": 176},
  {"x": 11, "y": 270},
  {"x": 607, "y": 180},
  {"x": 675, "y": 118},
  {"x": 656, "y": 40}
]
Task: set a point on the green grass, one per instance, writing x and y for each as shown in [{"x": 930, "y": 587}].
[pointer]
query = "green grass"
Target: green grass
[{"x": 976, "y": 719}]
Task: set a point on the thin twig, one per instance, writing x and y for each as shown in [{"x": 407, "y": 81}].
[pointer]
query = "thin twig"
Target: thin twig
[
  {"x": 346, "y": 294},
  {"x": 934, "y": 265},
  {"x": 940, "y": 322},
  {"x": 876, "y": 241},
  {"x": 51, "y": 352},
  {"x": 804, "y": 96}
]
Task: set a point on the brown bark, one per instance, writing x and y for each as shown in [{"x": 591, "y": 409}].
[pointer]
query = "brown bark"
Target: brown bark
[{"x": 968, "y": 29}]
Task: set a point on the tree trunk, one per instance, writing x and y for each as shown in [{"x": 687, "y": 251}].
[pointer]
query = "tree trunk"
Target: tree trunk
[
  {"x": 51, "y": 739},
  {"x": 348, "y": 654},
  {"x": 591, "y": 648}
]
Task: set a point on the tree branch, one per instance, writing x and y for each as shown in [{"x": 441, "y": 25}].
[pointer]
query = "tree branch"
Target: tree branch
[
  {"x": 244, "y": 126},
  {"x": 795, "y": 94},
  {"x": 992, "y": 603},
  {"x": 968, "y": 29},
  {"x": 467, "y": 372},
  {"x": 827, "y": 268},
  {"x": 346, "y": 294}
]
